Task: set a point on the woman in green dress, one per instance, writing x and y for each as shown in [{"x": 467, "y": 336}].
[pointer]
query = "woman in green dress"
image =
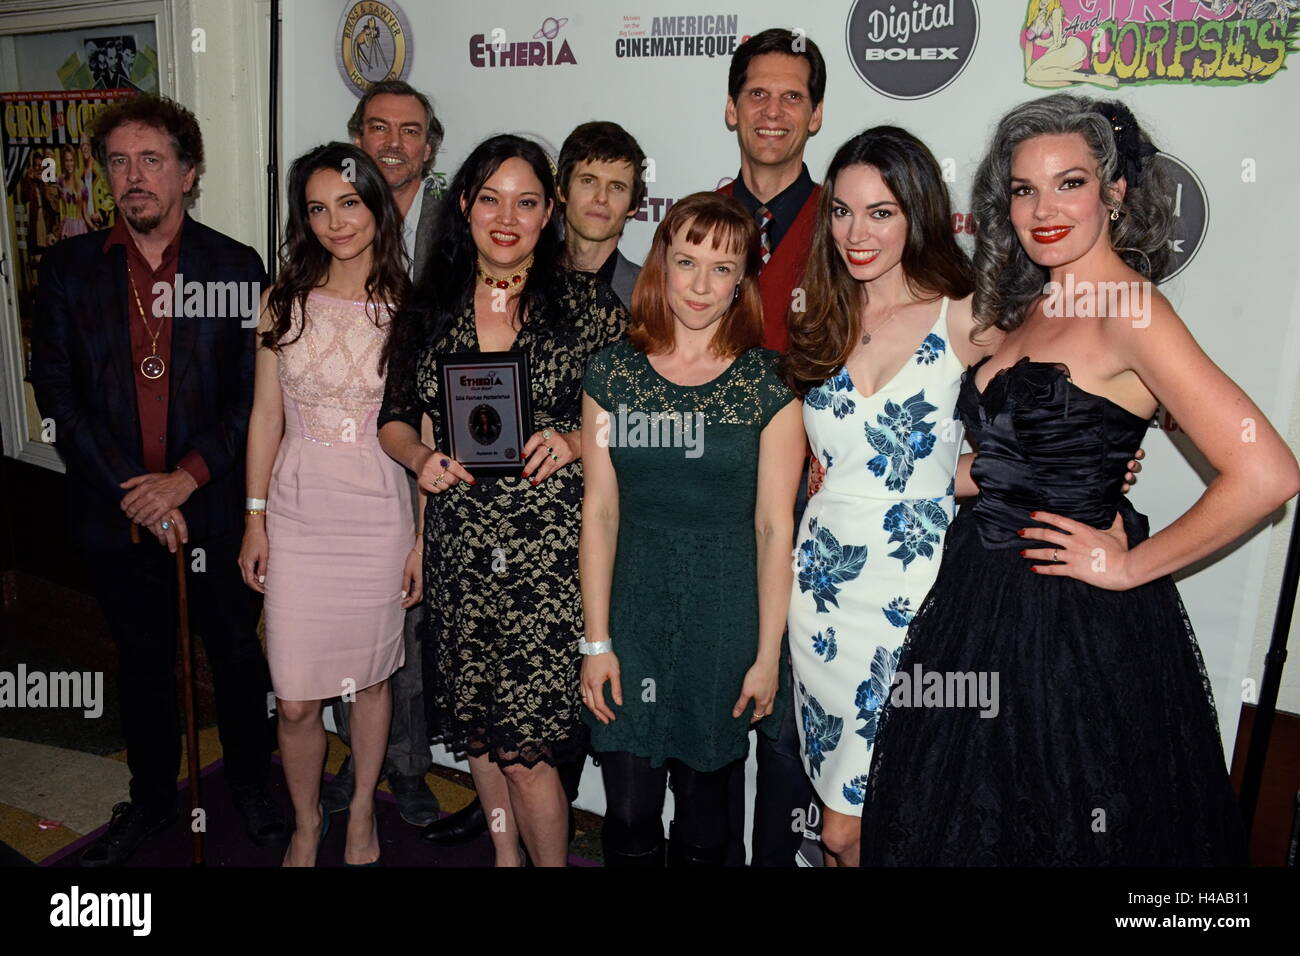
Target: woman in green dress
[{"x": 693, "y": 449}]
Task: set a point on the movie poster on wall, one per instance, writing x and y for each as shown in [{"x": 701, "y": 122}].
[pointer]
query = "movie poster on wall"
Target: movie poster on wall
[{"x": 55, "y": 189}]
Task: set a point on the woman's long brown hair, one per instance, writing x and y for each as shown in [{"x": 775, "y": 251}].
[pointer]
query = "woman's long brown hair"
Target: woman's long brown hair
[{"x": 822, "y": 336}]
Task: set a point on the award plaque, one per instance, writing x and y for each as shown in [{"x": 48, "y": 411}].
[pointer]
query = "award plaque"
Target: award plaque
[{"x": 487, "y": 414}]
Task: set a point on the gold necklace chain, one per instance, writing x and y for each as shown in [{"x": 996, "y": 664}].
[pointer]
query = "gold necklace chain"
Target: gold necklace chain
[
  {"x": 152, "y": 365},
  {"x": 866, "y": 336}
]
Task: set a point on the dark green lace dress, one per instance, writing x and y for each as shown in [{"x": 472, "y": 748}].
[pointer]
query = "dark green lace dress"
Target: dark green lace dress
[{"x": 684, "y": 598}]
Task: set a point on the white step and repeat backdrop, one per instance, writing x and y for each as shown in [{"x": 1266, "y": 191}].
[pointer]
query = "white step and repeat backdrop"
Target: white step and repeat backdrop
[{"x": 1210, "y": 79}]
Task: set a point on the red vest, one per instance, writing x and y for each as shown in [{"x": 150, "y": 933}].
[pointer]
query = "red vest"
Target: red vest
[{"x": 784, "y": 271}]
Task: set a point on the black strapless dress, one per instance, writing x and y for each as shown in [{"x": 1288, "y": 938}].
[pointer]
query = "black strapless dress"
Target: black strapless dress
[{"x": 1104, "y": 749}]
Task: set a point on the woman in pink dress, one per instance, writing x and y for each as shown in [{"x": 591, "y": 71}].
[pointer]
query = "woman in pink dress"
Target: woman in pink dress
[{"x": 330, "y": 538}]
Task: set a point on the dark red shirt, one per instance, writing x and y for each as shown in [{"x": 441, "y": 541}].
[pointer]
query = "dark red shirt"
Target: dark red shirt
[{"x": 152, "y": 396}]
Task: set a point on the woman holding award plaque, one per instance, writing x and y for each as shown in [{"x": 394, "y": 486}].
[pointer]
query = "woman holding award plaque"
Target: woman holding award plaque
[{"x": 498, "y": 322}]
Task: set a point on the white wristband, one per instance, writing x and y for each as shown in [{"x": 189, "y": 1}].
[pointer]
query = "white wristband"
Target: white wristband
[
  {"x": 258, "y": 504},
  {"x": 595, "y": 647}
]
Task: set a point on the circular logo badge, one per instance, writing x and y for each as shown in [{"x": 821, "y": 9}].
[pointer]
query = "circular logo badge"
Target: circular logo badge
[
  {"x": 908, "y": 51},
  {"x": 373, "y": 43},
  {"x": 1191, "y": 214}
]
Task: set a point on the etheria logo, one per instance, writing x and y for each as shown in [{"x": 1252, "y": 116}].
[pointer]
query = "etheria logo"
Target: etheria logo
[
  {"x": 545, "y": 48},
  {"x": 908, "y": 50},
  {"x": 480, "y": 381}
]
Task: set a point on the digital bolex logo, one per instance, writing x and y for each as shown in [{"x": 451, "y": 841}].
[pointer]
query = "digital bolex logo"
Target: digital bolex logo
[
  {"x": 372, "y": 43},
  {"x": 545, "y": 48},
  {"x": 911, "y": 50},
  {"x": 1191, "y": 214}
]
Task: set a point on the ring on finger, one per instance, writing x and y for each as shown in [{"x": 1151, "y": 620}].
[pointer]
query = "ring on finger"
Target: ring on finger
[
  {"x": 554, "y": 457},
  {"x": 1054, "y": 558}
]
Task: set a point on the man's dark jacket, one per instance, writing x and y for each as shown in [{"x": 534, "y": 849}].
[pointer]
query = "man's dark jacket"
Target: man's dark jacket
[{"x": 84, "y": 378}]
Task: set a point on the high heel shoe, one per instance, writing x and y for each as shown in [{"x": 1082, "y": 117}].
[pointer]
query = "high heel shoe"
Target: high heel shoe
[
  {"x": 374, "y": 828},
  {"x": 320, "y": 840}
]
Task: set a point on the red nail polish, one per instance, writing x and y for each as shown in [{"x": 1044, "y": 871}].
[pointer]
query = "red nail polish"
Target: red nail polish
[
  {"x": 1021, "y": 532},
  {"x": 535, "y": 481},
  {"x": 1034, "y": 568},
  {"x": 1022, "y": 554},
  {"x": 1033, "y": 514}
]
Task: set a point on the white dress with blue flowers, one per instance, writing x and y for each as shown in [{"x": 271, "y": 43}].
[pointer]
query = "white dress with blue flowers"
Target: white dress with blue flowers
[{"x": 868, "y": 551}]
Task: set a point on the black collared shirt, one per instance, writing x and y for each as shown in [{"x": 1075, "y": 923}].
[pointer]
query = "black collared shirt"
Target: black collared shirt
[
  {"x": 784, "y": 206},
  {"x": 606, "y": 271}
]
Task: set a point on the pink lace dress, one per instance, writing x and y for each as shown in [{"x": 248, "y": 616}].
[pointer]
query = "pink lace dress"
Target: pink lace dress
[{"x": 338, "y": 519}]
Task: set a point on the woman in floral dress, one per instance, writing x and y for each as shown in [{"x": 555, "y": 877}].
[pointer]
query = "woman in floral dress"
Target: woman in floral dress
[{"x": 878, "y": 357}]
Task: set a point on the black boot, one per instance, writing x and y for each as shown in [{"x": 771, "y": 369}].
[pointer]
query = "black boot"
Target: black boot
[
  {"x": 652, "y": 858},
  {"x": 622, "y": 847},
  {"x": 681, "y": 853},
  {"x": 460, "y": 827}
]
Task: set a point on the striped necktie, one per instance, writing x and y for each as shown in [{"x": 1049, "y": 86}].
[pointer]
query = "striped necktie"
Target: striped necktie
[{"x": 764, "y": 217}]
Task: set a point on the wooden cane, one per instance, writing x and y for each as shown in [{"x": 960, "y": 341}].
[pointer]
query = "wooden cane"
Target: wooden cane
[
  {"x": 187, "y": 691},
  {"x": 187, "y": 696}
]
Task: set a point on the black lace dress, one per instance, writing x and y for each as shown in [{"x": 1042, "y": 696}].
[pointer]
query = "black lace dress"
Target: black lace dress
[
  {"x": 504, "y": 619},
  {"x": 1102, "y": 745}
]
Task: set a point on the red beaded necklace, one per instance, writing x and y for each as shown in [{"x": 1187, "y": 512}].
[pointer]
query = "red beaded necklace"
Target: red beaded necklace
[{"x": 508, "y": 282}]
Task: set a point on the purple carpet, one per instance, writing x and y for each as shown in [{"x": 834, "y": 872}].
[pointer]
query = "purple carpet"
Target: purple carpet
[{"x": 226, "y": 843}]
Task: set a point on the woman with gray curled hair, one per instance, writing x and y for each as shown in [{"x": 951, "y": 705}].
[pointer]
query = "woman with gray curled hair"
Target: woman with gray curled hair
[{"x": 1071, "y": 722}]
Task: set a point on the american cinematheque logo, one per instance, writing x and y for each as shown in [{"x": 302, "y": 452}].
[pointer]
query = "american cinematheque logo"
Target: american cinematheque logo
[
  {"x": 910, "y": 50},
  {"x": 706, "y": 35},
  {"x": 1107, "y": 43},
  {"x": 545, "y": 47},
  {"x": 373, "y": 43}
]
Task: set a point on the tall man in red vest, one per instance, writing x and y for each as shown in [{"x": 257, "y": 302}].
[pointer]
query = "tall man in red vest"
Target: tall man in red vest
[{"x": 774, "y": 103}]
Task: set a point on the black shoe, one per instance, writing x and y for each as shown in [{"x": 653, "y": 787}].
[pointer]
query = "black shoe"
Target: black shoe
[
  {"x": 131, "y": 825},
  {"x": 336, "y": 794},
  {"x": 460, "y": 827},
  {"x": 415, "y": 801},
  {"x": 263, "y": 820}
]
